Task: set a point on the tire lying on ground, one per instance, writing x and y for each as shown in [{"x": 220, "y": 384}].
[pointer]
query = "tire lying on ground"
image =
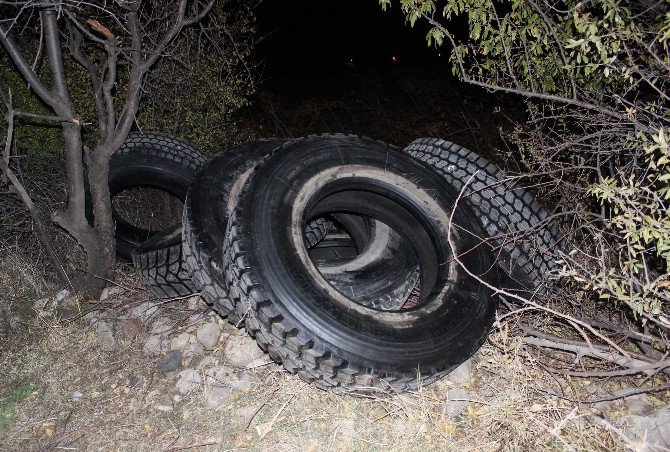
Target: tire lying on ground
[
  {"x": 212, "y": 197},
  {"x": 160, "y": 264},
  {"x": 206, "y": 211},
  {"x": 517, "y": 226},
  {"x": 311, "y": 327},
  {"x": 154, "y": 160}
]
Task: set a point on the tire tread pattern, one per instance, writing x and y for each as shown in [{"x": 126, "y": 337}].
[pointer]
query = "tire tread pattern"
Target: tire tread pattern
[
  {"x": 518, "y": 226},
  {"x": 161, "y": 268}
]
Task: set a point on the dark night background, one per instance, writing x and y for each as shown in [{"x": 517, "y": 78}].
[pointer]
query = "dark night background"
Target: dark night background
[
  {"x": 328, "y": 66},
  {"x": 328, "y": 33}
]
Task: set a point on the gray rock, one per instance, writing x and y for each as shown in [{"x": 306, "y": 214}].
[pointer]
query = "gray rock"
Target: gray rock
[
  {"x": 111, "y": 292},
  {"x": 180, "y": 342},
  {"x": 144, "y": 311},
  {"x": 170, "y": 362},
  {"x": 76, "y": 395},
  {"x": 462, "y": 375},
  {"x": 217, "y": 397},
  {"x": 195, "y": 318},
  {"x": 640, "y": 406},
  {"x": 656, "y": 429},
  {"x": 207, "y": 361},
  {"x": 208, "y": 335},
  {"x": 195, "y": 303},
  {"x": 62, "y": 295},
  {"x": 457, "y": 401},
  {"x": 105, "y": 335},
  {"x": 241, "y": 350},
  {"x": 153, "y": 345},
  {"x": 135, "y": 382},
  {"x": 130, "y": 328},
  {"x": 219, "y": 376},
  {"x": 189, "y": 380},
  {"x": 242, "y": 384},
  {"x": 164, "y": 408},
  {"x": 193, "y": 350},
  {"x": 161, "y": 327}
]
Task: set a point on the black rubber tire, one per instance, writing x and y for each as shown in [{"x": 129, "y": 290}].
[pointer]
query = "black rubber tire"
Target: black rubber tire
[
  {"x": 382, "y": 276},
  {"x": 206, "y": 212},
  {"x": 526, "y": 241},
  {"x": 155, "y": 160},
  {"x": 160, "y": 264},
  {"x": 303, "y": 322}
]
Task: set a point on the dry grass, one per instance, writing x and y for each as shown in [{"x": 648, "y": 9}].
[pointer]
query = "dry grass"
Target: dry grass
[{"x": 510, "y": 408}]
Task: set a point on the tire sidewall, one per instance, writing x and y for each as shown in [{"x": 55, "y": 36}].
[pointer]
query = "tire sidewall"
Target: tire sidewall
[{"x": 434, "y": 337}]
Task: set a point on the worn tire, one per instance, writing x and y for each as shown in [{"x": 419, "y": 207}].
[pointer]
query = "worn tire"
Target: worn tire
[
  {"x": 160, "y": 264},
  {"x": 206, "y": 211},
  {"x": 518, "y": 227},
  {"x": 302, "y": 321},
  {"x": 155, "y": 160}
]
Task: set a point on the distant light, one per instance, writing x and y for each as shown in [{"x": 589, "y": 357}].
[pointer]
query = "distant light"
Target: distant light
[
  {"x": 439, "y": 55},
  {"x": 394, "y": 59}
]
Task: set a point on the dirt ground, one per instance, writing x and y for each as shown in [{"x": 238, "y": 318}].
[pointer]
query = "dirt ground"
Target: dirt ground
[{"x": 63, "y": 388}]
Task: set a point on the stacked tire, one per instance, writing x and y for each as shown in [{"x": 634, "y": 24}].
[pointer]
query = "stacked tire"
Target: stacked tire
[{"x": 355, "y": 264}]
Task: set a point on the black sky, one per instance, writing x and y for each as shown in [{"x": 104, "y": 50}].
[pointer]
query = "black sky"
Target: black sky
[{"x": 328, "y": 33}]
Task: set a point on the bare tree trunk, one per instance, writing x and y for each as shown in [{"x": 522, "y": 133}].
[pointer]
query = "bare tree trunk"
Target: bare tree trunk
[{"x": 98, "y": 239}]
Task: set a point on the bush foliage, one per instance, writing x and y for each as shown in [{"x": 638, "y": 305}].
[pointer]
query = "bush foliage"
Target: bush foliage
[{"x": 595, "y": 76}]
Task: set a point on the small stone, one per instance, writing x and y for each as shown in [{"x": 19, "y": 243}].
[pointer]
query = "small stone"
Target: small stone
[
  {"x": 193, "y": 350},
  {"x": 110, "y": 292},
  {"x": 640, "y": 406},
  {"x": 208, "y": 335},
  {"x": 170, "y": 362},
  {"x": 241, "y": 350},
  {"x": 161, "y": 326},
  {"x": 207, "y": 361},
  {"x": 105, "y": 335},
  {"x": 135, "y": 382},
  {"x": 62, "y": 295},
  {"x": 219, "y": 376},
  {"x": 259, "y": 362},
  {"x": 64, "y": 313},
  {"x": 152, "y": 345},
  {"x": 130, "y": 328},
  {"x": 144, "y": 311},
  {"x": 176, "y": 398},
  {"x": 189, "y": 380},
  {"x": 164, "y": 408},
  {"x": 654, "y": 429},
  {"x": 243, "y": 384},
  {"x": 216, "y": 398},
  {"x": 76, "y": 395},
  {"x": 193, "y": 302},
  {"x": 179, "y": 342},
  {"x": 195, "y": 318},
  {"x": 457, "y": 401},
  {"x": 462, "y": 375}
]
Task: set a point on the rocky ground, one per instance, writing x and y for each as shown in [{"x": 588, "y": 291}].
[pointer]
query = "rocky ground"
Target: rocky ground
[{"x": 128, "y": 372}]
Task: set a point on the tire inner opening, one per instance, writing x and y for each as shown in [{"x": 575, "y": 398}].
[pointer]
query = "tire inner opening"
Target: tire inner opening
[
  {"x": 395, "y": 269},
  {"x": 147, "y": 208}
]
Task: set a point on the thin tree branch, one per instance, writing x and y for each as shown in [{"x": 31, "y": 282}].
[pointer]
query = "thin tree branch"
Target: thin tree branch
[
  {"x": 24, "y": 68},
  {"x": 21, "y": 192}
]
